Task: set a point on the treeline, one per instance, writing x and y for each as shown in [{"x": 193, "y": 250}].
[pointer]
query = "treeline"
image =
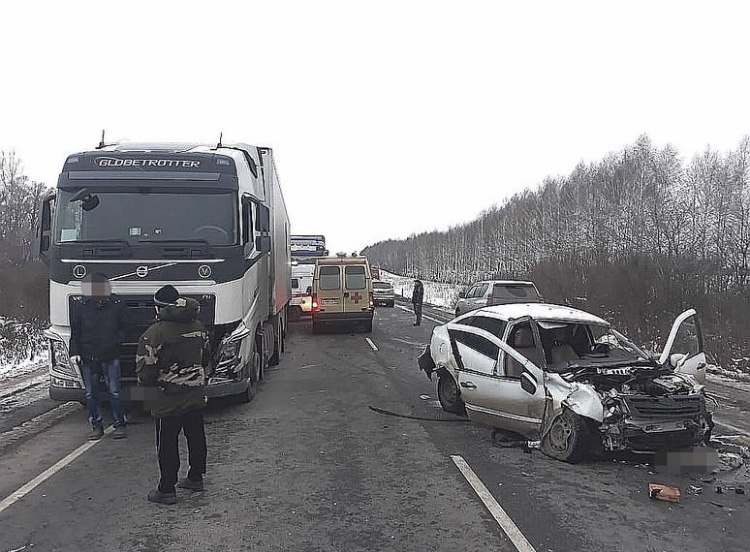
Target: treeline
[
  {"x": 636, "y": 237},
  {"x": 23, "y": 279}
]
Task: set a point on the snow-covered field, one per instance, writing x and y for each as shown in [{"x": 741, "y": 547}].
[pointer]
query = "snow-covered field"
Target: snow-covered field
[
  {"x": 440, "y": 295},
  {"x": 22, "y": 349}
]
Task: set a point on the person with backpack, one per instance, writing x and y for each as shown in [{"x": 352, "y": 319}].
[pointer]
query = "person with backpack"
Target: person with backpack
[{"x": 169, "y": 361}]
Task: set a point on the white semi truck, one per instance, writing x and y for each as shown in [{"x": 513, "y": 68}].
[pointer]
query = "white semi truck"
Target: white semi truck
[{"x": 210, "y": 220}]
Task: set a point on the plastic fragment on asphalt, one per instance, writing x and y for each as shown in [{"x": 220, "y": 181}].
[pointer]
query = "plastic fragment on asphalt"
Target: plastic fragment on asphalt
[
  {"x": 424, "y": 397},
  {"x": 663, "y": 492}
]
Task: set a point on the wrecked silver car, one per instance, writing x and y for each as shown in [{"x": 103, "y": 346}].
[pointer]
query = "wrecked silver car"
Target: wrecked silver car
[{"x": 566, "y": 378}]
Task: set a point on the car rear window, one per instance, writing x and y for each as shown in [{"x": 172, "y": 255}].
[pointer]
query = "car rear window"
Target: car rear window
[
  {"x": 330, "y": 278},
  {"x": 355, "y": 277},
  {"x": 514, "y": 291},
  {"x": 381, "y": 285}
]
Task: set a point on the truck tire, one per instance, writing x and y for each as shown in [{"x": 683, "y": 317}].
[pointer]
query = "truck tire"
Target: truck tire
[
  {"x": 253, "y": 377},
  {"x": 276, "y": 355}
]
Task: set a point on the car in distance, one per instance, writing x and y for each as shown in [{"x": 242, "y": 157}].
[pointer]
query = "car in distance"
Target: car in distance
[
  {"x": 497, "y": 292},
  {"x": 568, "y": 379},
  {"x": 383, "y": 293}
]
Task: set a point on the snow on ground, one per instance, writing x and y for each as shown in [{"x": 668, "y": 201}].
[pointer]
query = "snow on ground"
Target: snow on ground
[
  {"x": 435, "y": 293},
  {"x": 22, "y": 349}
]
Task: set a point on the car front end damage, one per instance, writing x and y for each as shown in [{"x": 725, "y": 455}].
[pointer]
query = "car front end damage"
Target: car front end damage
[{"x": 635, "y": 409}]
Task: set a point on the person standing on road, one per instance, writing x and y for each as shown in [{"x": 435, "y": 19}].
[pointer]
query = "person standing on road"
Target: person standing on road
[
  {"x": 169, "y": 361},
  {"x": 417, "y": 297},
  {"x": 97, "y": 329}
]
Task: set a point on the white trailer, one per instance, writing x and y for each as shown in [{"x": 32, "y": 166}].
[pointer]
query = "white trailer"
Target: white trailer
[{"x": 210, "y": 220}]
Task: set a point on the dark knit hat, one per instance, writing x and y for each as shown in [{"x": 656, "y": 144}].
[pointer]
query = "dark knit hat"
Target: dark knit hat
[{"x": 166, "y": 296}]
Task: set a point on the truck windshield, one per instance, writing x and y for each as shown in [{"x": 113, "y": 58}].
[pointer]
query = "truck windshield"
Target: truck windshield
[{"x": 146, "y": 215}]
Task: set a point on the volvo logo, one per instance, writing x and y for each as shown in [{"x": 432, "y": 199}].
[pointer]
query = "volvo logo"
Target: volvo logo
[
  {"x": 141, "y": 271},
  {"x": 204, "y": 271},
  {"x": 79, "y": 271}
]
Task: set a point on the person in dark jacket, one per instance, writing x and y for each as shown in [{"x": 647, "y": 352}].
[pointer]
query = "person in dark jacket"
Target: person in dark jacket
[
  {"x": 169, "y": 360},
  {"x": 97, "y": 329},
  {"x": 417, "y": 297}
]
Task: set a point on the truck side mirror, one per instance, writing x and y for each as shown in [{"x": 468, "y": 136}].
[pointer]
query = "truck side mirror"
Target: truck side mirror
[
  {"x": 44, "y": 227},
  {"x": 264, "y": 219},
  {"x": 309, "y": 290},
  {"x": 263, "y": 244}
]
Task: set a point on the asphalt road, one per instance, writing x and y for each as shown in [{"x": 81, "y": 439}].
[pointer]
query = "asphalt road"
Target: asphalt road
[{"x": 310, "y": 466}]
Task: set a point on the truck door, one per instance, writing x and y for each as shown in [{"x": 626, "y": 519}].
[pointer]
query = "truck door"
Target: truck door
[
  {"x": 356, "y": 295},
  {"x": 330, "y": 289},
  {"x": 684, "y": 348}
]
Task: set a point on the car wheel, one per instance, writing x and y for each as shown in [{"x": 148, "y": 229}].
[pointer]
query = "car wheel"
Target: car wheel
[
  {"x": 458, "y": 313},
  {"x": 567, "y": 438},
  {"x": 449, "y": 395}
]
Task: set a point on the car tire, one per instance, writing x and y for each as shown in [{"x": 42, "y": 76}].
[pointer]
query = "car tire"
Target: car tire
[
  {"x": 449, "y": 395},
  {"x": 568, "y": 438},
  {"x": 458, "y": 313}
]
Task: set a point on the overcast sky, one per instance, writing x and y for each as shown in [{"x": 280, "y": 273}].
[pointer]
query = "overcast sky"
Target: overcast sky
[{"x": 387, "y": 117}]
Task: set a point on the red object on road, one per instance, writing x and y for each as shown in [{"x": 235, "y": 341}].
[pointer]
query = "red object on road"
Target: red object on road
[{"x": 663, "y": 492}]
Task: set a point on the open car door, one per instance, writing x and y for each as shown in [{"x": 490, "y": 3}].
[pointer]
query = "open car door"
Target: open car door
[{"x": 684, "y": 348}]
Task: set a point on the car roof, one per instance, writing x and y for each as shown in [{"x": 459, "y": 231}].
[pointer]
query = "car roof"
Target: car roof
[
  {"x": 539, "y": 311},
  {"x": 341, "y": 260},
  {"x": 505, "y": 282}
]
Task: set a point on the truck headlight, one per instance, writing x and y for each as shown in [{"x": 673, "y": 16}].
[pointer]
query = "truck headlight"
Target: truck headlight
[
  {"x": 228, "y": 354},
  {"x": 61, "y": 359}
]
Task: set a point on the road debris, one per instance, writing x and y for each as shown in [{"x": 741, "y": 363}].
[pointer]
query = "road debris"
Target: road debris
[
  {"x": 720, "y": 489},
  {"x": 663, "y": 492}
]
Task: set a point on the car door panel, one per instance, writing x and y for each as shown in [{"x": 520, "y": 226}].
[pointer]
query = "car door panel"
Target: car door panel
[
  {"x": 685, "y": 339},
  {"x": 490, "y": 397}
]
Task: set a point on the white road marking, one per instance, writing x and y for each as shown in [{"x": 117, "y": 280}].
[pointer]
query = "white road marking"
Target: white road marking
[
  {"x": 502, "y": 518},
  {"x": 14, "y": 497},
  {"x": 372, "y": 345}
]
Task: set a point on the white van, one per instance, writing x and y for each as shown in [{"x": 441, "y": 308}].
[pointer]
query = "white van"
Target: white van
[{"x": 302, "y": 281}]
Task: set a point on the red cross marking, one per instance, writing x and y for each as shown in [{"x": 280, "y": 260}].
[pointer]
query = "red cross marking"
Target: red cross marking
[{"x": 356, "y": 297}]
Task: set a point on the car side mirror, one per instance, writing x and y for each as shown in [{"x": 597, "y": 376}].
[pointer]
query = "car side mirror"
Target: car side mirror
[{"x": 462, "y": 295}]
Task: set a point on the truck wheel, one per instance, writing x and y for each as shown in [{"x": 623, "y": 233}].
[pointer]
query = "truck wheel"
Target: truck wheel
[
  {"x": 276, "y": 355},
  {"x": 449, "y": 395},
  {"x": 567, "y": 438},
  {"x": 252, "y": 380}
]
